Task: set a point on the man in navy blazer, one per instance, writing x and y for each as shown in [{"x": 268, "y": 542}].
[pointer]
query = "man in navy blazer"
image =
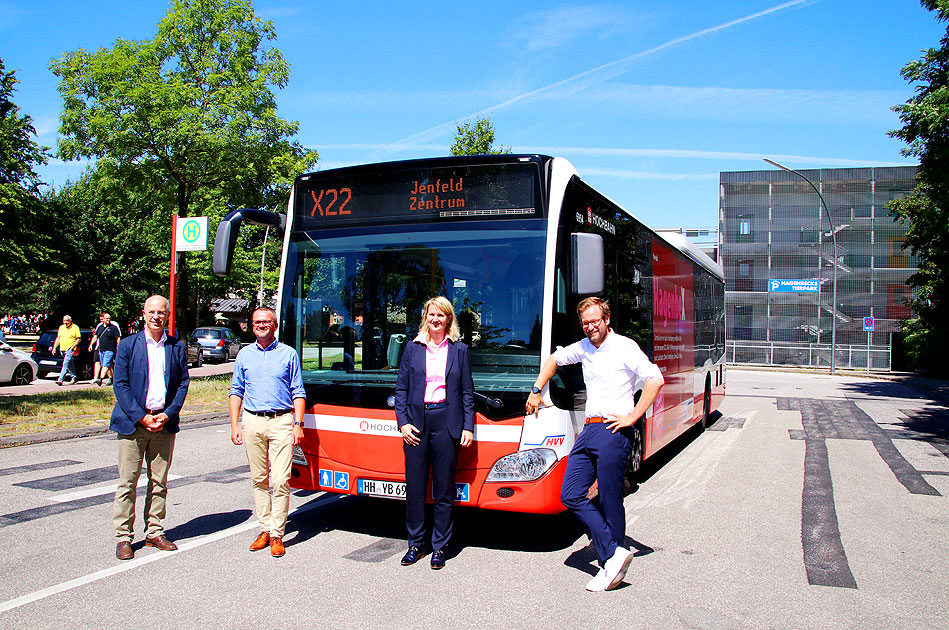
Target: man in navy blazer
[{"x": 150, "y": 384}]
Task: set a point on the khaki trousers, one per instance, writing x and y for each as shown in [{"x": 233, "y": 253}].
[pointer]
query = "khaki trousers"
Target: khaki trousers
[
  {"x": 269, "y": 445},
  {"x": 156, "y": 450}
]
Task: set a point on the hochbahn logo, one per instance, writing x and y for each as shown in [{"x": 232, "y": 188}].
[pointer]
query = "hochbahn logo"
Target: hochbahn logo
[
  {"x": 596, "y": 221},
  {"x": 384, "y": 427}
]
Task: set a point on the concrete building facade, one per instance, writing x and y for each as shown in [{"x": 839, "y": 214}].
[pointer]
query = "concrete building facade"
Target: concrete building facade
[{"x": 775, "y": 245}]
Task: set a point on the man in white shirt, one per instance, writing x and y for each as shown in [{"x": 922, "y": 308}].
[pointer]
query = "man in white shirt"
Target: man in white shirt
[
  {"x": 151, "y": 382},
  {"x": 613, "y": 367}
]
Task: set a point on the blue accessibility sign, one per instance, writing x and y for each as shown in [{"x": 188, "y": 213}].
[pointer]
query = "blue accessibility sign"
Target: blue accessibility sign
[
  {"x": 462, "y": 492},
  {"x": 326, "y": 478},
  {"x": 341, "y": 481}
]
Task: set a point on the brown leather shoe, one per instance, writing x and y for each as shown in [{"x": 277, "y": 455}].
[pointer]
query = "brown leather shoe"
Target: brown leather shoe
[
  {"x": 276, "y": 547},
  {"x": 262, "y": 541},
  {"x": 161, "y": 542},
  {"x": 123, "y": 550}
]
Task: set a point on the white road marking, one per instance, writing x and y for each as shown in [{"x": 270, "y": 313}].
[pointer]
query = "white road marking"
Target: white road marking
[
  {"x": 98, "y": 491},
  {"x": 137, "y": 562}
]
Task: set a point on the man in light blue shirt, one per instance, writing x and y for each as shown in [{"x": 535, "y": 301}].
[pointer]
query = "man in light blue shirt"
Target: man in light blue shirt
[{"x": 268, "y": 384}]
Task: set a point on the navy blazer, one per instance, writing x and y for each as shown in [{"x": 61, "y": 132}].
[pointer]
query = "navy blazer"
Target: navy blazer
[
  {"x": 459, "y": 388},
  {"x": 130, "y": 382}
]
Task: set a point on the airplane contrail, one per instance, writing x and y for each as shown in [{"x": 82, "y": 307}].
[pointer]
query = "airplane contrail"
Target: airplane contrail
[{"x": 593, "y": 76}]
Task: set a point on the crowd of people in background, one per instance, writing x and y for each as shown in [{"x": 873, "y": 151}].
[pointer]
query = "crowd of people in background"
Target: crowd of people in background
[{"x": 22, "y": 324}]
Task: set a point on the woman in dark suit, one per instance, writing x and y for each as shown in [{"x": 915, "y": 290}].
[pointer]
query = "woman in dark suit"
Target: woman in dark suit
[{"x": 434, "y": 407}]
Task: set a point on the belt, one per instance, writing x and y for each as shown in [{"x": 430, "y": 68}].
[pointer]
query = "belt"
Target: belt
[
  {"x": 438, "y": 405},
  {"x": 154, "y": 411},
  {"x": 594, "y": 420},
  {"x": 269, "y": 414}
]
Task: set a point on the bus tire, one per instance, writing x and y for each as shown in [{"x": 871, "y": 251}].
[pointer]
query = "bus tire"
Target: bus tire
[
  {"x": 707, "y": 404},
  {"x": 635, "y": 462}
]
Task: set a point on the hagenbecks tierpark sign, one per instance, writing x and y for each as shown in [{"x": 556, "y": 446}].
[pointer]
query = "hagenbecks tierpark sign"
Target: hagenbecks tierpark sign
[{"x": 811, "y": 285}]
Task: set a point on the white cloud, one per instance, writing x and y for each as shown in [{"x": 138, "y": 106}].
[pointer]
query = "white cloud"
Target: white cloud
[
  {"x": 748, "y": 104},
  {"x": 540, "y": 31}
]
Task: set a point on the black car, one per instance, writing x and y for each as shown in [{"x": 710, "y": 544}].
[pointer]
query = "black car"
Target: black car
[{"x": 49, "y": 363}]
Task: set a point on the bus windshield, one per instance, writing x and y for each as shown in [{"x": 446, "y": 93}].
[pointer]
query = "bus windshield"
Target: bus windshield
[{"x": 353, "y": 300}]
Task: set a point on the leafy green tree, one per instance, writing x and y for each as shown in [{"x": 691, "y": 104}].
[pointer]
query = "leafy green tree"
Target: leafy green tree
[
  {"x": 191, "y": 112},
  {"x": 113, "y": 262},
  {"x": 477, "y": 139},
  {"x": 925, "y": 130},
  {"x": 27, "y": 250}
]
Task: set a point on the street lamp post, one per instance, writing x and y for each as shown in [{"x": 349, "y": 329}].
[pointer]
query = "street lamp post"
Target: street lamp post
[{"x": 833, "y": 233}]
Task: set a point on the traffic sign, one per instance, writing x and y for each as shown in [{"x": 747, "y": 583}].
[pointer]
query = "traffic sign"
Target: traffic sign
[
  {"x": 192, "y": 234},
  {"x": 868, "y": 324}
]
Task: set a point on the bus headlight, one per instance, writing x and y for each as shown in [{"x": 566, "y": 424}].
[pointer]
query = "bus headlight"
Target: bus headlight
[
  {"x": 523, "y": 465},
  {"x": 298, "y": 457}
]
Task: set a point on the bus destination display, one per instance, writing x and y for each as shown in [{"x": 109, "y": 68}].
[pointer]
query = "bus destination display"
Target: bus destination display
[{"x": 469, "y": 192}]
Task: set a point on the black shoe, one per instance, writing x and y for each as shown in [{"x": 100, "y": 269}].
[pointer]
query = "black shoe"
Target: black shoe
[
  {"x": 438, "y": 559},
  {"x": 413, "y": 555}
]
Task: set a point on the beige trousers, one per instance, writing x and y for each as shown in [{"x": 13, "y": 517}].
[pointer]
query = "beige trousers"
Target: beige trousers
[
  {"x": 269, "y": 445},
  {"x": 155, "y": 449}
]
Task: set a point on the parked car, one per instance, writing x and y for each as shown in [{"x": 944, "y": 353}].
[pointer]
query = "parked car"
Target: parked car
[
  {"x": 195, "y": 353},
  {"x": 219, "y": 343},
  {"x": 16, "y": 366},
  {"x": 49, "y": 363}
]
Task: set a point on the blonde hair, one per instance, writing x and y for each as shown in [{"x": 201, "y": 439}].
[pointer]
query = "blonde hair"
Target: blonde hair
[{"x": 442, "y": 304}]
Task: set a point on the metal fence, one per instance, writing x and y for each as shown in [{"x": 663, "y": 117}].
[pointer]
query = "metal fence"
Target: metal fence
[{"x": 849, "y": 356}]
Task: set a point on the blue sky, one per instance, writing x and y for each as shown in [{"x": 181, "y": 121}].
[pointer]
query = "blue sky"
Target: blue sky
[{"x": 650, "y": 100}]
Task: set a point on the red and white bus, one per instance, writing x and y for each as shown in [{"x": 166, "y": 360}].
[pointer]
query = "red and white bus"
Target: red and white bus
[{"x": 514, "y": 241}]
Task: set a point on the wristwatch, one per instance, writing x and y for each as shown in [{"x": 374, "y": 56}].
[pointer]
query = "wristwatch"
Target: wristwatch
[
  {"x": 297, "y": 424},
  {"x": 535, "y": 390}
]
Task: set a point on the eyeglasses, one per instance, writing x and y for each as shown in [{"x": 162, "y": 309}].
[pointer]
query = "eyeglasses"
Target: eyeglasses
[
  {"x": 595, "y": 323},
  {"x": 263, "y": 322}
]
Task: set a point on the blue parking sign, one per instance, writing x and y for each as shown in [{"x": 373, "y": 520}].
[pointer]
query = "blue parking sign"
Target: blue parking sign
[{"x": 341, "y": 481}]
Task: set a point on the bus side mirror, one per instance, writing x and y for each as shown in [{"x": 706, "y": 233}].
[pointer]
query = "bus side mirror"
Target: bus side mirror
[
  {"x": 395, "y": 350},
  {"x": 586, "y": 255},
  {"x": 227, "y": 230}
]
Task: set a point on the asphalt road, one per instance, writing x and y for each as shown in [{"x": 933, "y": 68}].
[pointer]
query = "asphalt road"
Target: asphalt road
[{"x": 813, "y": 502}]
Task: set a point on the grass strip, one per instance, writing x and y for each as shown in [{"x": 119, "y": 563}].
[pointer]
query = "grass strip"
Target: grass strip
[{"x": 92, "y": 406}]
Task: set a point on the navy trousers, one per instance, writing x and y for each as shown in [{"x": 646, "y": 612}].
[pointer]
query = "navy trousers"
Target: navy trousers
[
  {"x": 600, "y": 455},
  {"x": 440, "y": 451}
]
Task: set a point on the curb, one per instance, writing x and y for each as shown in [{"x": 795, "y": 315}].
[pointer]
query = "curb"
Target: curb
[{"x": 186, "y": 422}]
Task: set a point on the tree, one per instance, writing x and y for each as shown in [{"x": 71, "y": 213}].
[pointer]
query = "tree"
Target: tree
[
  {"x": 26, "y": 242},
  {"x": 477, "y": 140},
  {"x": 190, "y": 111},
  {"x": 925, "y": 130}
]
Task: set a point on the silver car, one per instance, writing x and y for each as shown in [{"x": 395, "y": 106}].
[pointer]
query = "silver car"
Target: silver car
[{"x": 219, "y": 343}]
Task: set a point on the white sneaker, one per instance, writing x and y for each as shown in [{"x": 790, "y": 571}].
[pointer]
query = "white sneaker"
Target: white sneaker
[
  {"x": 599, "y": 582},
  {"x": 617, "y": 566}
]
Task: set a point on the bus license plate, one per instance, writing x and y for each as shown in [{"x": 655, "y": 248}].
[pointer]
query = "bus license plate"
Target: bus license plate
[{"x": 375, "y": 488}]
